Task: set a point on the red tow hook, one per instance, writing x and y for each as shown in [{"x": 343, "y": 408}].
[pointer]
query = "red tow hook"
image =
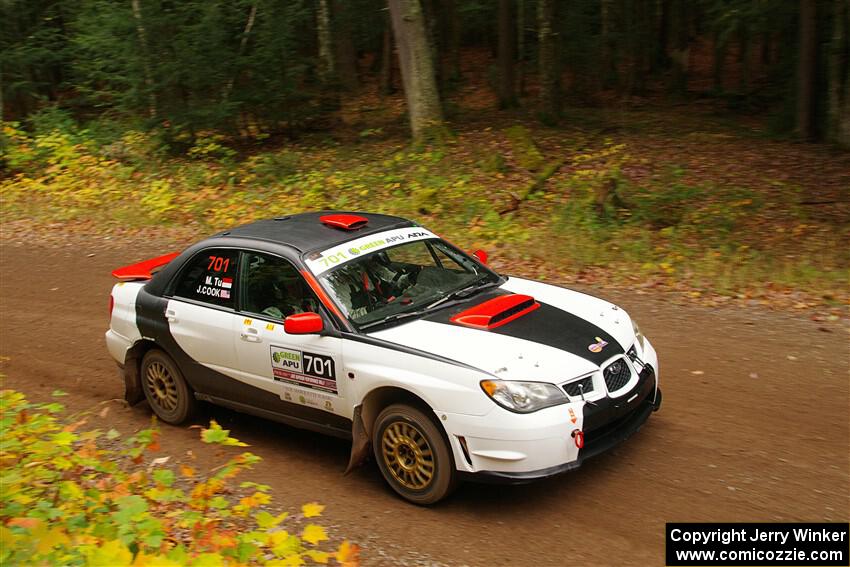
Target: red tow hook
[{"x": 578, "y": 437}]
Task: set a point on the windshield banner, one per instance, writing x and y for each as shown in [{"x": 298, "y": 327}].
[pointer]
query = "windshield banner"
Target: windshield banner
[{"x": 321, "y": 262}]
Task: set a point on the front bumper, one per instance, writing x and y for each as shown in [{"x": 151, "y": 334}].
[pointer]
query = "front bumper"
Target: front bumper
[
  {"x": 597, "y": 442},
  {"x": 512, "y": 448}
]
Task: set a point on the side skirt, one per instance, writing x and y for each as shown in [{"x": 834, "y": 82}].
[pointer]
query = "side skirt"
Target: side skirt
[{"x": 324, "y": 428}]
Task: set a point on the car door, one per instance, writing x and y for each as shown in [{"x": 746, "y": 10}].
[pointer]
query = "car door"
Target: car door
[
  {"x": 201, "y": 314},
  {"x": 301, "y": 369}
]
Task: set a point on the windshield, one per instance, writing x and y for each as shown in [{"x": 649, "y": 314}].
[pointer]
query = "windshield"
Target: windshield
[{"x": 402, "y": 279}]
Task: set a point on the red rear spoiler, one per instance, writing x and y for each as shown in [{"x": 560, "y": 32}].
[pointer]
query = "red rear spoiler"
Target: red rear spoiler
[
  {"x": 142, "y": 270},
  {"x": 496, "y": 312}
]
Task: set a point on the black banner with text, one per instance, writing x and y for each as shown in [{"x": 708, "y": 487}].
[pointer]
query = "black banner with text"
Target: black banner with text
[{"x": 757, "y": 544}]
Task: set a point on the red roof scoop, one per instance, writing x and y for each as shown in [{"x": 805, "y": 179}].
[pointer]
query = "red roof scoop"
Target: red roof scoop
[
  {"x": 345, "y": 222},
  {"x": 496, "y": 312},
  {"x": 142, "y": 270}
]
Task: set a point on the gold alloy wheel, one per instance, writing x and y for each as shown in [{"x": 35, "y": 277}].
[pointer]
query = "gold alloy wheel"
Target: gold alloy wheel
[
  {"x": 408, "y": 455},
  {"x": 161, "y": 385}
]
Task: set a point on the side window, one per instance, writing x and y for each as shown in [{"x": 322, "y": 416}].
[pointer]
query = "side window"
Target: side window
[
  {"x": 271, "y": 286},
  {"x": 209, "y": 277}
]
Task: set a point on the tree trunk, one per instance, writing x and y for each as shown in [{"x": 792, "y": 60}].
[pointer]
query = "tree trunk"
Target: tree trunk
[
  {"x": 249, "y": 25},
  {"x": 430, "y": 14},
  {"x": 662, "y": 57},
  {"x": 507, "y": 55},
  {"x": 806, "y": 70},
  {"x": 143, "y": 41},
  {"x": 719, "y": 61},
  {"x": 680, "y": 54},
  {"x": 744, "y": 58},
  {"x": 386, "y": 76},
  {"x": 549, "y": 95},
  {"x": 608, "y": 64},
  {"x": 345, "y": 53},
  {"x": 385, "y": 81},
  {"x": 452, "y": 40},
  {"x": 839, "y": 75},
  {"x": 327, "y": 63},
  {"x": 417, "y": 70},
  {"x": 520, "y": 47}
]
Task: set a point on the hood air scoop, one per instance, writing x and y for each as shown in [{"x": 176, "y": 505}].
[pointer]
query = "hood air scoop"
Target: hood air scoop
[{"x": 496, "y": 312}]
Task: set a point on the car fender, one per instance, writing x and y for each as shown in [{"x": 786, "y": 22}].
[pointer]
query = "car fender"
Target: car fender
[{"x": 443, "y": 384}]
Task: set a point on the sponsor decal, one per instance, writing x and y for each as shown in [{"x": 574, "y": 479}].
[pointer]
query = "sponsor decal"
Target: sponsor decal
[
  {"x": 270, "y": 326},
  {"x": 573, "y": 417},
  {"x": 247, "y": 322},
  {"x": 313, "y": 398},
  {"x": 303, "y": 368},
  {"x": 598, "y": 345},
  {"x": 327, "y": 259}
]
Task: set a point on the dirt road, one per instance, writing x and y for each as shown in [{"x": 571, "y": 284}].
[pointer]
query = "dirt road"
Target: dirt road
[{"x": 754, "y": 428}]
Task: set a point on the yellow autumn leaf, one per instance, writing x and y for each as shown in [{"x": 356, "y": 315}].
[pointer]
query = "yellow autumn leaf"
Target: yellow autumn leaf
[
  {"x": 50, "y": 539},
  {"x": 110, "y": 554},
  {"x": 143, "y": 560},
  {"x": 312, "y": 509},
  {"x": 318, "y": 556},
  {"x": 289, "y": 561},
  {"x": 348, "y": 554},
  {"x": 314, "y": 534}
]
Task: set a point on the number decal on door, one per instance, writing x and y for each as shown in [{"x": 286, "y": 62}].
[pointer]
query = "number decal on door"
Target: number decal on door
[
  {"x": 319, "y": 365},
  {"x": 303, "y": 368}
]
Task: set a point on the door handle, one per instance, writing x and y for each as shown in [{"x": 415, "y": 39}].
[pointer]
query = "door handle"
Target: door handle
[
  {"x": 251, "y": 335},
  {"x": 171, "y": 315}
]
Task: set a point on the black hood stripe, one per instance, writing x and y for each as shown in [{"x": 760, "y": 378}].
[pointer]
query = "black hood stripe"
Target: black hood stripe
[{"x": 552, "y": 327}]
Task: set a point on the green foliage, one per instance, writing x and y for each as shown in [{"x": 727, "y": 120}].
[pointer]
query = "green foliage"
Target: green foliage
[
  {"x": 591, "y": 213},
  {"x": 73, "y": 496},
  {"x": 184, "y": 65},
  {"x": 524, "y": 149}
]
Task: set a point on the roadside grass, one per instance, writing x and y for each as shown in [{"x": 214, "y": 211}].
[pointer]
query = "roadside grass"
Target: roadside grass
[{"x": 645, "y": 205}]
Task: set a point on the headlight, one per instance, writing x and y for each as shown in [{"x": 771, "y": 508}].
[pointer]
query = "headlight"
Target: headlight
[
  {"x": 523, "y": 397},
  {"x": 638, "y": 334}
]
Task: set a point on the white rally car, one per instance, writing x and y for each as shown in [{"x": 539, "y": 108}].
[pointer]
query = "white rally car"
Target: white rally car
[{"x": 372, "y": 328}]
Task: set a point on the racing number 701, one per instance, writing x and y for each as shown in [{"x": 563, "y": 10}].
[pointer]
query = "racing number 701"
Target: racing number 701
[
  {"x": 318, "y": 366},
  {"x": 217, "y": 263}
]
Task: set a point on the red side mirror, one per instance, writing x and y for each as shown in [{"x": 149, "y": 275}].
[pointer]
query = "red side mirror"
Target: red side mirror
[
  {"x": 481, "y": 255},
  {"x": 303, "y": 324}
]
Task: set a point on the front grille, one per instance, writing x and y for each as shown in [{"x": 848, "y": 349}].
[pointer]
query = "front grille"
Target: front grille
[
  {"x": 616, "y": 375},
  {"x": 579, "y": 387}
]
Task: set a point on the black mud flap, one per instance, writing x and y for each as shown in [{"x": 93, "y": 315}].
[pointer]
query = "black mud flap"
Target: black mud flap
[
  {"x": 133, "y": 393},
  {"x": 359, "y": 442}
]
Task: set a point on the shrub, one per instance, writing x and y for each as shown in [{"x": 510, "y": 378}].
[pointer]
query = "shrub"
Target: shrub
[{"x": 81, "y": 497}]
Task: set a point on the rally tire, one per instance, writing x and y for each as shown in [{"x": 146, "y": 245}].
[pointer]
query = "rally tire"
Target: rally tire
[
  {"x": 413, "y": 455},
  {"x": 166, "y": 391}
]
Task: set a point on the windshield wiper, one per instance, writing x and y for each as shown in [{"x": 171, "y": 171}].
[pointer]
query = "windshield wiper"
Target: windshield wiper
[
  {"x": 462, "y": 293},
  {"x": 393, "y": 317}
]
